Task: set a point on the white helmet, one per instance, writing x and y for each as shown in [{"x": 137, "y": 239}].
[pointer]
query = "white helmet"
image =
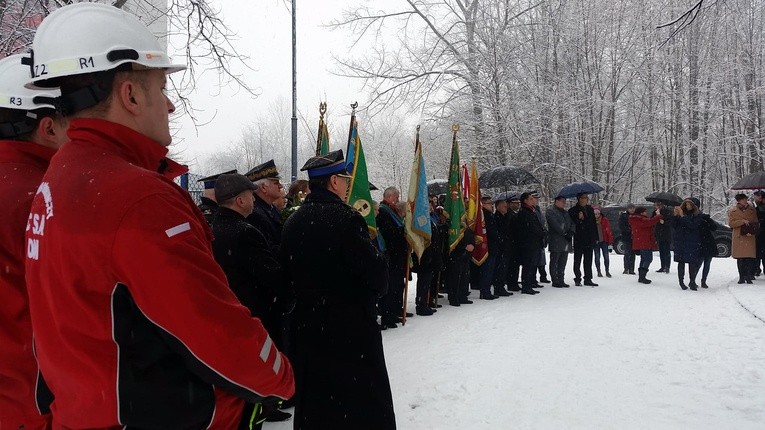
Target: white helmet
[
  {"x": 92, "y": 37},
  {"x": 13, "y": 95}
]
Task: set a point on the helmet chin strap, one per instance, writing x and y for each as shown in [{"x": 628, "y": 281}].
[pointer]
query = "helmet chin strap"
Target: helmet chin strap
[{"x": 91, "y": 95}]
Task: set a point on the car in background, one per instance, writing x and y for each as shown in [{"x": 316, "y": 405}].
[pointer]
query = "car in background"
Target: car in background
[{"x": 722, "y": 235}]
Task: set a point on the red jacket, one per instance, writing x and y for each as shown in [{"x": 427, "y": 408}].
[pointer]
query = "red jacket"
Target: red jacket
[
  {"x": 643, "y": 238},
  {"x": 134, "y": 322},
  {"x": 22, "y": 165},
  {"x": 608, "y": 234}
]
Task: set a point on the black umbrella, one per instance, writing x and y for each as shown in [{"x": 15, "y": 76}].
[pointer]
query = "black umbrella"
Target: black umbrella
[
  {"x": 437, "y": 186},
  {"x": 574, "y": 188},
  {"x": 665, "y": 198},
  {"x": 754, "y": 181},
  {"x": 506, "y": 176}
]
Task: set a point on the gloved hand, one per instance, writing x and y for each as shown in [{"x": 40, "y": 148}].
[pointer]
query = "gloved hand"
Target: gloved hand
[{"x": 262, "y": 409}]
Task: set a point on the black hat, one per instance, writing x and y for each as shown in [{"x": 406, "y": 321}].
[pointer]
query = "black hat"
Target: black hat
[
  {"x": 263, "y": 171},
  {"x": 230, "y": 185},
  {"x": 331, "y": 163},
  {"x": 514, "y": 198},
  {"x": 560, "y": 198},
  {"x": 209, "y": 182}
]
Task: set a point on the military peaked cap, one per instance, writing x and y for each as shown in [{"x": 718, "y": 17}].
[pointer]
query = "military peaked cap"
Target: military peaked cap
[
  {"x": 209, "y": 182},
  {"x": 331, "y": 163},
  {"x": 263, "y": 171}
]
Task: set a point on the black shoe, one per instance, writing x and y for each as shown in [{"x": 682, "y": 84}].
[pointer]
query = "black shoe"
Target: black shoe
[
  {"x": 704, "y": 284},
  {"x": 454, "y": 303},
  {"x": 608, "y": 274},
  {"x": 409, "y": 314},
  {"x": 625, "y": 272},
  {"x": 537, "y": 286},
  {"x": 500, "y": 292},
  {"x": 600, "y": 275},
  {"x": 740, "y": 280},
  {"x": 466, "y": 302},
  {"x": 544, "y": 280},
  {"x": 632, "y": 272},
  {"x": 277, "y": 416},
  {"x": 577, "y": 283},
  {"x": 513, "y": 288},
  {"x": 590, "y": 284},
  {"x": 682, "y": 285},
  {"x": 662, "y": 270},
  {"x": 693, "y": 286},
  {"x": 488, "y": 296},
  {"x": 559, "y": 285},
  {"x": 529, "y": 291},
  {"x": 566, "y": 286},
  {"x": 758, "y": 272},
  {"x": 748, "y": 281},
  {"x": 287, "y": 404},
  {"x": 387, "y": 325},
  {"x": 644, "y": 281},
  {"x": 424, "y": 311}
]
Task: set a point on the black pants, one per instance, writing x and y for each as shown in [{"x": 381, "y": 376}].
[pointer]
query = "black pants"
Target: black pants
[
  {"x": 693, "y": 271},
  {"x": 530, "y": 262},
  {"x": 436, "y": 282},
  {"x": 513, "y": 267},
  {"x": 665, "y": 256},
  {"x": 746, "y": 268},
  {"x": 392, "y": 303},
  {"x": 629, "y": 257},
  {"x": 579, "y": 254},
  {"x": 707, "y": 266},
  {"x": 458, "y": 278},
  {"x": 500, "y": 271},
  {"x": 424, "y": 281},
  {"x": 558, "y": 262}
]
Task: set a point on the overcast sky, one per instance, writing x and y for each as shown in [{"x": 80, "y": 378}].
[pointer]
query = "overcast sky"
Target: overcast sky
[{"x": 264, "y": 30}]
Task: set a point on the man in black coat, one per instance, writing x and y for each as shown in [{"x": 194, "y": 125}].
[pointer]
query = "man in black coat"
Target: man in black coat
[
  {"x": 663, "y": 233},
  {"x": 252, "y": 271},
  {"x": 626, "y": 237},
  {"x": 585, "y": 238},
  {"x": 391, "y": 226},
  {"x": 265, "y": 217},
  {"x": 510, "y": 237},
  {"x": 458, "y": 269},
  {"x": 530, "y": 241},
  {"x": 338, "y": 275},
  {"x": 503, "y": 236},
  {"x": 759, "y": 205},
  {"x": 427, "y": 266}
]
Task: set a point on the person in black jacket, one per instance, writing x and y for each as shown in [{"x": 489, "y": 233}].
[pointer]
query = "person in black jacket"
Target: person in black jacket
[
  {"x": 428, "y": 265},
  {"x": 663, "y": 233},
  {"x": 338, "y": 274},
  {"x": 626, "y": 232},
  {"x": 510, "y": 238},
  {"x": 585, "y": 238},
  {"x": 458, "y": 269},
  {"x": 708, "y": 243},
  {"x": 486, "y": 270},
  {"x": 501, "y": 262},
  {"x": 531, "y": 238},
  {"x": 252, "y": 271},
  {"x": 265, "y": 216},
  {"x": 391, "y": 226},
  {"x": 759, "y": 206}
]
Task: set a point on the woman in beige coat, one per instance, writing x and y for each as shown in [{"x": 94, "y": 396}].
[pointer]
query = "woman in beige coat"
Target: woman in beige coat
[{"x": 744, "y": 247}]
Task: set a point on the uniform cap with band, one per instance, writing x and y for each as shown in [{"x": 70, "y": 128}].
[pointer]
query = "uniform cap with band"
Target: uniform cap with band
[
  {"x": 331, "y": 163},
  {"x": 209, "y": 181}
]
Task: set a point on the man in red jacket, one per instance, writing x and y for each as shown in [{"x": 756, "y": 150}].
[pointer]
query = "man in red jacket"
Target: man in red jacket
[
  {"x": 643, "y": 239},
  {"x": 134, "y": 323},
  {"x": 30, "y": 133}
]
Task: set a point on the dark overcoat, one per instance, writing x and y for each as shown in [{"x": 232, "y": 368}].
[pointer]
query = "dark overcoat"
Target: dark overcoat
[
  {"x": 530, "y": 235},
  {"x": 338, "y": 275},
  {"x": 252, "y": 269},
  {"x": 688, "y": 238},
  {"x": 560, "y": 228},
  {"x": 266, "y": 218},
  {"x": 586, "y": 235}
]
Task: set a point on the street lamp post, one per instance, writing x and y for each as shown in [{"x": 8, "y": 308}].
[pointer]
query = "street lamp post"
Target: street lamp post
[{"x": 294, "y": 93}]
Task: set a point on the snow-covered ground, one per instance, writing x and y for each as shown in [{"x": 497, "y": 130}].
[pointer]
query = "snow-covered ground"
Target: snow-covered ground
[{"x": 619, "y": 356}]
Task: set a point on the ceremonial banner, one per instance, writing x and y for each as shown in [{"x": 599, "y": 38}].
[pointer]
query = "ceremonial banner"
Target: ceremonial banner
[
  {"x": 454, "y": 204},
  {"x": 322, "y": 141},
  {"x": 359, "y": 196},
  {"x": 417, "y": 219}
]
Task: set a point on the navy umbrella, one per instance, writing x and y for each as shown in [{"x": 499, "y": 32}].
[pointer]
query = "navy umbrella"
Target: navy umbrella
[
  {"x": 506, "y": 176},
  {"x": 437, "y": 186},
  {"x": 573, "y": 189},
  {"x": 754, "y": 181},
  {"x": 665, "y": 198}
]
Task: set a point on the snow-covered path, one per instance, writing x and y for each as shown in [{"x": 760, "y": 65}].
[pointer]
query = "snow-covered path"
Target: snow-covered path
[{"x": 622, "y": 355}]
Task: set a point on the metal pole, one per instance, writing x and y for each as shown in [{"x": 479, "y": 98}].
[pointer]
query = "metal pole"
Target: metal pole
[{"x": 294, "y": 93}]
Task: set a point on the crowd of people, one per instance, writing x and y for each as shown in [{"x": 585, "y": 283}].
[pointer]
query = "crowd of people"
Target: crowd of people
[{"x": 127, "y": 306}]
